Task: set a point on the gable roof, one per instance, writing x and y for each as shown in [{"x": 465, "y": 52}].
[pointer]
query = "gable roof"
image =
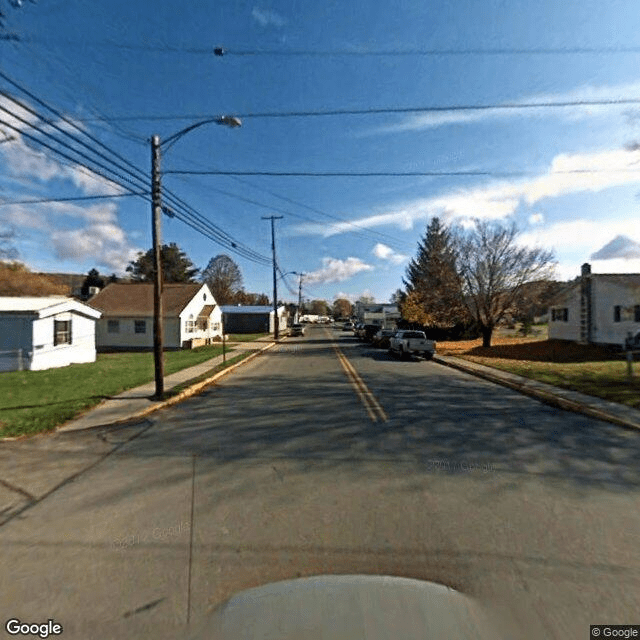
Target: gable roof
[
  {"x": 136, "y": 300},
  {"x": 44, "y": 306}
]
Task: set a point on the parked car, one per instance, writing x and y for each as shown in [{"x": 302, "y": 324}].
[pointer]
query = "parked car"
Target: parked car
[
  {"x": 297, "y": 330},
  {"x": 348, "y": 326},
  {"x": 412, "y": 343},
  {"x": 368, "y": 331},
  {"x": 382, "y": 338}
]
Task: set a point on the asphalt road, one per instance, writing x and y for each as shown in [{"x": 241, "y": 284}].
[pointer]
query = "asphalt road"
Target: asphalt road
[{"x": 325, "y": 456}]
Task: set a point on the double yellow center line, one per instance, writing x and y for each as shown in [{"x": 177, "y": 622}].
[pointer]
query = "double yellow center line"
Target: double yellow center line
[{"x": 373, "y": 407}]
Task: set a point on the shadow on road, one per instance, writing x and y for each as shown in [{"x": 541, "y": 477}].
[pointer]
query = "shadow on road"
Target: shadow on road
[{"x": 460, "y": 425}]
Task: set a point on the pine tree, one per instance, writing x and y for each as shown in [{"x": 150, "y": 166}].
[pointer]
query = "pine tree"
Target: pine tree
[{"x": 434, "y": 288}]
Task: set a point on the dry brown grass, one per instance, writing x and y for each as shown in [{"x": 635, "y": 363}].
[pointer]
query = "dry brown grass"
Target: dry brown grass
[
  {"x": 528, "y": 350},
  {"x": 589, "y": 369},
  {"x": 17, "y": 280}
]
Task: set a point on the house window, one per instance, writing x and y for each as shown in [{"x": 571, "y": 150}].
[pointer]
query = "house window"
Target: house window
[
  {"x": 216, "y": 326},
  {"x": 113, "y": 326},
  {"x": 61, "y": 332},
  {"x": 560, "y": 315},
  {"x": 203, "y": 323},
  {"x": 140, "y": 326},
  {"x": 191, "y": 325},
  {"x": 616, "y": 313},
  {"x": 636, "y": 313}
]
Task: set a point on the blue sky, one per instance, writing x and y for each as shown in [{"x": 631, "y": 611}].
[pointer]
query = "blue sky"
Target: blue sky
[{"x": 572, "y": 182}]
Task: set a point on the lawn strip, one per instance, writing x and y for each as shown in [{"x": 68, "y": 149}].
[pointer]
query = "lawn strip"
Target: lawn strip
[{"x": 36, "y": 401}]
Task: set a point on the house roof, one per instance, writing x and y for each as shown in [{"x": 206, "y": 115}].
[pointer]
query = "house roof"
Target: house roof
[
  {"x": 257, "y": 309},
  {"x": 206, "y": 310},
  {"x": 44, "y": 306},
  {"x": 136, "y": 300}
]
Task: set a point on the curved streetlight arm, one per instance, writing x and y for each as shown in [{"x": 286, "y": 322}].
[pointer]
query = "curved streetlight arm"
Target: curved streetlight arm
[{"x": 229, "y": 121}]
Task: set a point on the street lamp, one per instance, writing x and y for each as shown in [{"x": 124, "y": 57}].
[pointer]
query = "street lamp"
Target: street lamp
[{"x": 156, "y": 214}]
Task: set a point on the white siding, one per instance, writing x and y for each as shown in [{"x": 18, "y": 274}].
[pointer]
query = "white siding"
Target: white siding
[
  {"x": 606, "y": 295},
  {"x": 569, "y": 330},
  {"x": 191, "y": 312}
]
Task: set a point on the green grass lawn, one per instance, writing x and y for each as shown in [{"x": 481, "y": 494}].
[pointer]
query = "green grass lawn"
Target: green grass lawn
[{"x": 36, "y": 401}]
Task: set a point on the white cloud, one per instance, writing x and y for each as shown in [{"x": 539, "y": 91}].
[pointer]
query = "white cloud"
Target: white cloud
[
  {"x": 105, "y": 244},
  {"x": 354, "y": 297},
  {"x": 23, "y": 160},
  {"x": 536, "y": 218},
  {"x": 266, "y": 17},
  {"x": 433, "y": 119},
  {"x": 384, "y": 252},
  {"x": 336, "y": 270},
  {"x": 567, "y": 174}
]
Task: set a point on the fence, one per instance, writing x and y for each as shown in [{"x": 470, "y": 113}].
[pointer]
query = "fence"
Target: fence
[{"x": 14, "y": 360}]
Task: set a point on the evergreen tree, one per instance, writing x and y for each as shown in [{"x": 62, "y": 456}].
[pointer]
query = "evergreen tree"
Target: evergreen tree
[
  {"x": 176, "y": 266},
  {"x": 434, "y": 287}
]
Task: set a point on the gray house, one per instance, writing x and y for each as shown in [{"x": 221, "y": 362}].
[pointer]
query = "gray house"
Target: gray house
[
  {"x": 602, "y": 308},
  {"x": 252, "y": 319}
]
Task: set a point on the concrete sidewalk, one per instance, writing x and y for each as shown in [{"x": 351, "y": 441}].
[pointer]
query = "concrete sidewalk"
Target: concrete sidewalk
[
  {"x": 33, "y": 468},
  {"x": 570, "y": 400},
  {"x": 135, "y": 404}
]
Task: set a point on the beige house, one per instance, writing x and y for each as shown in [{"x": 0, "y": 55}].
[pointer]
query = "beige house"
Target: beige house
[
  {"x": 601, "y": 308},
  {"x": 191, "y": 316}
]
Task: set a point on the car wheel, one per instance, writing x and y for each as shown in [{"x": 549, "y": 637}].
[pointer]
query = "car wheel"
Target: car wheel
[{"x": 428, "y": 356}]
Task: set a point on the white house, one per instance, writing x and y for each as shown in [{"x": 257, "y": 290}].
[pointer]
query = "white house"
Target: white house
[
  {"x": 599, "y": 308},
  {"x": 45, "y": 332},
  {"x": 253, "y": 319},
  {"x": 385, "y": 315},
  {"x": 191, "y": 317}
]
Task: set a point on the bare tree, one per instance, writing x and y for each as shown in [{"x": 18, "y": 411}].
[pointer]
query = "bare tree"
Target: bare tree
[
  {"x": 494, "y": 270},
  {"x": 223, "y": 277}
]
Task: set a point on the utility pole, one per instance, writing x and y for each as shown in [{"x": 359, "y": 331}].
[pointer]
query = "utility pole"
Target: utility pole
[
  {"x": 276, "y": 321},
  {"x": 156, "y": 212},
  {"x": 300, "y": 295}
]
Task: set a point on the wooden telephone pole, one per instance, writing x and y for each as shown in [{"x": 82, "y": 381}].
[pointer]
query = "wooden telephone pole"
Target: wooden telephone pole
[{"x": 276, "y": 320}]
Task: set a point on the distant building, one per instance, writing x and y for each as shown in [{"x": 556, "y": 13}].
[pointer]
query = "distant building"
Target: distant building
[
  {"x": 191, "y": 317},
  {"x": 601, "y": 308},
  {"x": 384, "y": 315},
  {"x": 45, "y": 332},
  {"x": 252, "y": 319}
]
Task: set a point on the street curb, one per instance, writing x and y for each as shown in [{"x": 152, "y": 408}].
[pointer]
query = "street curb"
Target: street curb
[
  {"x": 548, "y": 397},
  {"x": 183, "y": 395}
]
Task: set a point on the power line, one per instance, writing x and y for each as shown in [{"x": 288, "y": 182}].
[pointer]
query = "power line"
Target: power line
[
  {"x": 550, "y": 104},
  {"x": 72, "y": 199},
  {"x": 360, "y": 230},
  {"x": 328, "y": 53},
  {"x": 214, "y": 232},
  {"x": 393, "y": 174}
]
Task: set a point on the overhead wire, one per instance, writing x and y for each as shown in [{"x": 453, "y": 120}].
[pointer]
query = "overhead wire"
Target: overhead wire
[
  {"x": 220, "y": 51},
  {"x": 547, "y": 104},
  {"x": 133, "y": 172}
]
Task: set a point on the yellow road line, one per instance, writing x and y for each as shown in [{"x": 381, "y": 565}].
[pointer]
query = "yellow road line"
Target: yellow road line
[
  {"x": 367, "y": 398},
  {"x": 355, "y": 383},
  {"x": 366, "y": 390}
]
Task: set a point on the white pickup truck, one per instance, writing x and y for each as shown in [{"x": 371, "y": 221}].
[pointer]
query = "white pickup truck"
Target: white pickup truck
[{"x": 407, "y": 343}]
